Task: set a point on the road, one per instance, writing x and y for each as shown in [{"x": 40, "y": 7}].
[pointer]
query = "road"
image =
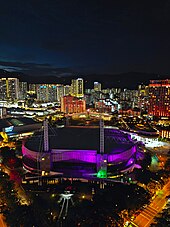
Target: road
[
  {"x": 2, "y": 223},
  {"x": 20, "y": 191},
  {"x": 145, "y": 218},
  {"x": 24, "y": 200}
]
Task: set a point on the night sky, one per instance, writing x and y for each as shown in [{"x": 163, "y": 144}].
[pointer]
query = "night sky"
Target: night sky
[{"x": 92, "y": 36}]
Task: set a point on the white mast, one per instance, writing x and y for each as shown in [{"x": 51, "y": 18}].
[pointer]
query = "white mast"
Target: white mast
[
  {"x": 101, "y": 135},
  {"x": 102, "y": 157},
  {"x": 46, "y": 141}
]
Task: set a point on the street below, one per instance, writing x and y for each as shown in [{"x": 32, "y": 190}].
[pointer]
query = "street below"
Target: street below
[
  {"x": 145, "y": 218},
  {"x": 2, "y": 223}
]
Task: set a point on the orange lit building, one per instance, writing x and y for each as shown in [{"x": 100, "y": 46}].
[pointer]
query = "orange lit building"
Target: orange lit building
[
  {"x": 159, "y": 98},
  {"x": 70, "y": 104}
]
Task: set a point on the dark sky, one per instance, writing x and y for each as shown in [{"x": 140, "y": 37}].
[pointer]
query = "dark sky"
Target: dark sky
[{"x": 91, "y": 36}]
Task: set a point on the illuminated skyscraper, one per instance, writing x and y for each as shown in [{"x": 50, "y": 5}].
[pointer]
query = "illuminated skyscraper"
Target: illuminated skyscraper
[
  {"x": 42, "y": 92},
  {"x": 46, "y": 92},
  {"x": 159, "y": 98},
  {"x": 77, "y": 88},
  {"x": 13, "y": 88},
  {"x": 49, "y": 92},
  {"x": 22, "y": 90},
  {"x": 3, "y": 89},
  {"x": 67, "y": 90},
  {"x": 97, "y": 86},
  {"x": 143, "y": 97},
  {"x": 52, "y": 92},
  {"x": 32, "y": 88},
  {"x": 60, "y": 92},
  {"x": 9, "y": 88}
]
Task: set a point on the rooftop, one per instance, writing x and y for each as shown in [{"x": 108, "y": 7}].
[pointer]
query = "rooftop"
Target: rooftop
[{"x": 81, "y": 138}]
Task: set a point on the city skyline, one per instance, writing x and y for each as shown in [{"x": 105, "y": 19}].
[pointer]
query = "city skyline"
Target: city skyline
[
  {"x": 84, "y": 113},
  {"x": 107, "y": 80},
  {"x": 88, "y": 37},
  {"x": 152, "y": 99}
]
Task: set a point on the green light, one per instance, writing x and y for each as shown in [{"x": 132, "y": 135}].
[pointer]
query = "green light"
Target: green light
[
  {"x": 154, "y": 160},
  {"x": 102, "y": 173}
]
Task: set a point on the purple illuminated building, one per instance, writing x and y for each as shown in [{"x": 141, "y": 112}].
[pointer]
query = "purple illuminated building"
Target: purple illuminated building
[{"x": 74, "y": 151}]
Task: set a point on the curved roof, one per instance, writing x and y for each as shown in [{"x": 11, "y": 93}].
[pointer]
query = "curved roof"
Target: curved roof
[{"x": 81, "y": 138}]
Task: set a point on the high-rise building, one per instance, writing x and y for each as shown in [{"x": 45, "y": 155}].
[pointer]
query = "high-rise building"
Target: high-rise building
[
  {"x": 60, "y": 92},
  {"x": 52, "y": 92},
  {"x": 32, "y": 88},
  {"x": 143, "y": 97},
  {"x": 3, "y": 89},
  {"x": 77, "y": 88},
  {"x": 159, "y": 98},
  {"x": 12, "y": 88},
  {"x": 9, "y": 88},
  {"x": 143, "y": 90},
  {"x": 47, "y": 92},
  {"x": 67, "y": 90},
  {"x": 97, "y": 86},
  {"x": 42, "y": 92},
  {"x": 71, "y": 104},
  {"x": 22, "y": 90}
]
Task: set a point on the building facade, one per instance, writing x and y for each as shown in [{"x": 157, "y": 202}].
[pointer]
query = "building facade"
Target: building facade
[
  {"x": 97, "y": 86},
  {"x": 60, "y": 92},
  {"x": 71, "y": 104},
  {"x": 9, "y": 88},
  {"x": 47, "y": 92},
  {"x": 67, "y": 90},
  {"x": 77, "y": 88},
  {"x": 42, "y": 92},
  {"x": 23, "y": 90},
  {"x": 159, "y": 98}
]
